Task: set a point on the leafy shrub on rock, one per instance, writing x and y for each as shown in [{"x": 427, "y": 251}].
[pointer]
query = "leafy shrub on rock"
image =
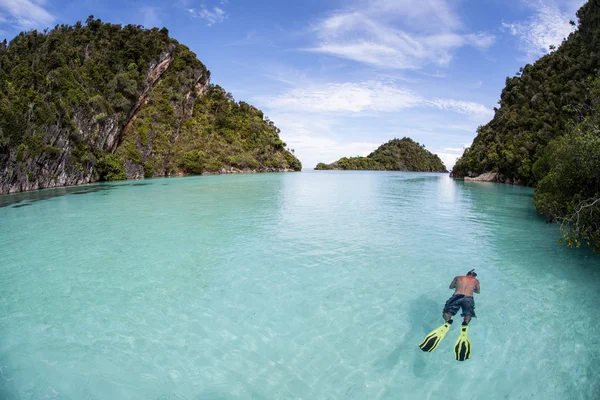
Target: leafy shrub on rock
[{"x": 110, "y": 168}]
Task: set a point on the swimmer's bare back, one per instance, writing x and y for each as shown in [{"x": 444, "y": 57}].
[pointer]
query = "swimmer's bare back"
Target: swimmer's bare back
[{"x": 465, "y": 285}]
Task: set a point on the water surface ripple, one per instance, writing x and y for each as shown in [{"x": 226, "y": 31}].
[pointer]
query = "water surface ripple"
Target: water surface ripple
[{"x": 313, "y": 285}]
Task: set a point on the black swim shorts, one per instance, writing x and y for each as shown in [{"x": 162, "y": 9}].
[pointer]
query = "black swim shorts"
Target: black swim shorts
[{"x": 460, "y": 300}]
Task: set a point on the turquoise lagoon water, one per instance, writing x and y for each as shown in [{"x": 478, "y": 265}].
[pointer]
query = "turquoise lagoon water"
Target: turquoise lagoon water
[{"x": 312, "y": 285}]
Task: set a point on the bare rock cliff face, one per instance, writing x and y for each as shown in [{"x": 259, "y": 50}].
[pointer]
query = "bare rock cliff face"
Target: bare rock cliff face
[{"x": 155, "y": 71}]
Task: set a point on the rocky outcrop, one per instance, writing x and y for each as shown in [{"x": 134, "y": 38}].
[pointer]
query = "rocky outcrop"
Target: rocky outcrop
[
  {"x": 491, "y": 177},
  {"x": 487, "y": 177}
]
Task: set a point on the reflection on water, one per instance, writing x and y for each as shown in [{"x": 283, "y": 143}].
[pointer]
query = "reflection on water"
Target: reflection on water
[{"x": 46, "y": 194}]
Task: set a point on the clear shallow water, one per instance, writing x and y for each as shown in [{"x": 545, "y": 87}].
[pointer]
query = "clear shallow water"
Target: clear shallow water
[{"x": 314, "y": 285}]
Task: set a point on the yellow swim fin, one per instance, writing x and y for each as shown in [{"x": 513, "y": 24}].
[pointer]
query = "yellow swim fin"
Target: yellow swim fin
[
  {"x": 434, "y": 338},
  {"x": 462, "y": 348}
]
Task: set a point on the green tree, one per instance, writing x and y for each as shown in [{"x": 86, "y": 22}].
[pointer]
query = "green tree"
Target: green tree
[{"x": 110, "y": 169}]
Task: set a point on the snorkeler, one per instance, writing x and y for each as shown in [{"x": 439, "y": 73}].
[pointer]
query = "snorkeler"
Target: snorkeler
[{"x": 462, "y": 298}]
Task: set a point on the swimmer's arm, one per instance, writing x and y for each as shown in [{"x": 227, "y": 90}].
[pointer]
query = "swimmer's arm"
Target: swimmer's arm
[
  {"x": 453, "y": 283},
  {"x": 477, "y": 288}
]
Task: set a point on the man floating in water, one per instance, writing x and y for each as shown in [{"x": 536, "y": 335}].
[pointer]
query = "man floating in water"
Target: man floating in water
[{"x": 462, "y": 298}]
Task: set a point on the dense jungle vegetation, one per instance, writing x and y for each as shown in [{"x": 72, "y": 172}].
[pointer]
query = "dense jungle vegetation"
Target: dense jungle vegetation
[
  {"x": 546, "y": 133},
  {"x": 396, "y": 155}
]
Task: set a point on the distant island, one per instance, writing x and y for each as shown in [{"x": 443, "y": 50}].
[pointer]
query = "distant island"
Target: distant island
[
  {"x": 396, "y": 155},
  {"x": 100, "y": 101}
]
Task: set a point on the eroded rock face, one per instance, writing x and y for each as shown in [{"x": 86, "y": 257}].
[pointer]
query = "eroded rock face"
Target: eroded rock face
[
  {"x": 50, "y": 170},
  {"x": 100, "y": 132},
  {"x": 35, "y": 174}
]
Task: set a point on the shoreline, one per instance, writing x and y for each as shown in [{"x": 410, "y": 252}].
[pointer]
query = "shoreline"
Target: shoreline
[
  {"x": 491, "y": 177},
  {"x": 223, "y": 171}
]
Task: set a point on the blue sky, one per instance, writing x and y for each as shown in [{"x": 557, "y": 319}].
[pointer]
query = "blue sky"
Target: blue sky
[{"x": 339, "y": 78}]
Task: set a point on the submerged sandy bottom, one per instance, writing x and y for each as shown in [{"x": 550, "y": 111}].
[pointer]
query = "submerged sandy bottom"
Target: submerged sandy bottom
[{"x": 318, "y": 285}]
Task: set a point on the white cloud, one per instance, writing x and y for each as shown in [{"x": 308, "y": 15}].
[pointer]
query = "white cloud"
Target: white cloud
[
  {"x": 345, "y": 97},
  {"x": 327, "y": 136},
  {"x": 312, "y": 150},
  {"x": 424, "y": 15},
  {"x": 475, "y": 85},
  {"x": 25, "y": 14},
  {"x": 469, "y": 108},
  {"x": 367, "y": 97},
  {"x": 373, "y": 35},
  {"x": 313, "y": 138},
  {"x": 211, "y": 16},
  {"x": 449, "y": 159},
  {"x": 317, "y": 138},
  {"x": 286, "y": 74},
  {"x": 450, "y": 154},
  {"x": 549, "y": 26},
  {"x": 314, "y": 119},
  {"x": 571, "y": 6},
  {"x": 151, "y": 18},
  {"x": 481, "y": 40}
]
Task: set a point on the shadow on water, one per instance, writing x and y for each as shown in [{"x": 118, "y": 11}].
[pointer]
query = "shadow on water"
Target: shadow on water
[
  {"x": 22, "y": 205},
  {"x": 428, "y": 313},
  {"x": 529, "y": 195},
  {"x": 27, "y": 198},
  {"x": 46, "y": 194}
]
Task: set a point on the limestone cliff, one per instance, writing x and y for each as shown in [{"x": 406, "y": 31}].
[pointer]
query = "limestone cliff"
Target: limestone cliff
[{"x": 100, "y": 101}]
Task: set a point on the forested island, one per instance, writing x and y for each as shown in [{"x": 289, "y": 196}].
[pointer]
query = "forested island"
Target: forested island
[
  {"x": 101, "y": 101},
  {"x": 396, "y": 155},
  {"x": 546, "y": 133}
]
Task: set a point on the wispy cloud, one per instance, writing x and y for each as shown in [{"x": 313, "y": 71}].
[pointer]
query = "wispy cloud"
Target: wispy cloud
[
  {"x": 151, "y": 18},
  {"x": 385, "y": 34},
  {"x": 25, "y": 14},
  {"x": 475, "y": 85},
  {"x": 449, "y": 155},
  {"x": 548, "y": 26},
  {"x": 314, "y": 139},
  {"x": 426, "y": 15},
  {"x": 368, "y": 97},
  {"x": 345, "y": 97},
  {"x": 287, "y": 75},
  {"x": 471, "y": 109},
  {"x": 212, "y": 15},
  {"x": 326, "y": 149}
]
